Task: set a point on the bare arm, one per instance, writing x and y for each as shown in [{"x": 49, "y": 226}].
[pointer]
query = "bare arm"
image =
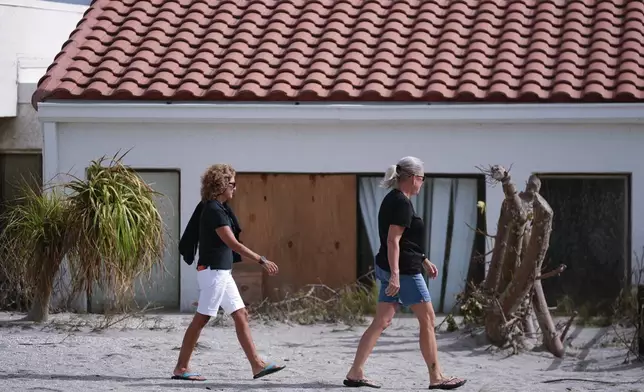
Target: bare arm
[
  {"x": 393, "y": 247},
  {"x": 227, "y": 236}
]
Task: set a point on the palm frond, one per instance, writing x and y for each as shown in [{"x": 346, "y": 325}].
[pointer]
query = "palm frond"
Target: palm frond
[
  {"x": 120, "y": 229},
  {"x": 34, "y": 240},
  {"x": 107, "y": 225}
]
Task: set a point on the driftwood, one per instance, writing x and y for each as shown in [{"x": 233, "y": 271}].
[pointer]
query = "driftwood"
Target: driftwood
[
  {"x": 513, "y": 283},
  {"x": 350, "y": 304}
]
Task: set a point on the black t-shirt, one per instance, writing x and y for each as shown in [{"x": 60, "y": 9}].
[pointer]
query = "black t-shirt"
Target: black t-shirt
[
  {"x": 213, "y": 252},
  {"x": 397, "y": 209}
]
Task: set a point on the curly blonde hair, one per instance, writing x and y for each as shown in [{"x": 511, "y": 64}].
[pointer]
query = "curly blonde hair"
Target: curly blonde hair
[{"x": 215, "y": 180}]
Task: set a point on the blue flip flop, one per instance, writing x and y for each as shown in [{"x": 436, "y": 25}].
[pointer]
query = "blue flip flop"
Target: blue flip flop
[
  {"x": 187, "y": 376},
  {"x": 269, "y": 369}
]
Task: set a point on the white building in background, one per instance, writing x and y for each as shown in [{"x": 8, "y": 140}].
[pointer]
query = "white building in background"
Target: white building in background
[
  {"x": 311, "y": 122},
  {"x": 31, "y": 34},
  {"x": 176, "y": 142}
]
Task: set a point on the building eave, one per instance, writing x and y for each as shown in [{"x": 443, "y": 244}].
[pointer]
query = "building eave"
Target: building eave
[
  {"x": 44, "y": 5},
  {"x": 264, "y": 113}
]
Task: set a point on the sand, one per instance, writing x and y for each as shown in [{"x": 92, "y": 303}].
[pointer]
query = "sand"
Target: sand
[{"x": 138, "y": 354}]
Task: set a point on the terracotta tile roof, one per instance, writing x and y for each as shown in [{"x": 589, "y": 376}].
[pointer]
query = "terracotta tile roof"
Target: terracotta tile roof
[{"x": 353, "y": 50}]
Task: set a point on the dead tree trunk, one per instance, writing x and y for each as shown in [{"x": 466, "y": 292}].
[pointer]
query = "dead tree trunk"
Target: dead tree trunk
[
  {"x": 512, "y": 258},
  {"x": 516, "y": 266},
  {"x": 494, "y": 273},
  {"x": 530, "y": 328},
  {"x": 551, "y": 338},
  {"x": 526, "y": 274}
]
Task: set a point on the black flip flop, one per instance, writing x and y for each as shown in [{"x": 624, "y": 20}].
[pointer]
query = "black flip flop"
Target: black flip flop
[
  {"x": 448, "y": 384},
  {"x": 360, "y": 383},
  {"x": 269, "y": 369}
]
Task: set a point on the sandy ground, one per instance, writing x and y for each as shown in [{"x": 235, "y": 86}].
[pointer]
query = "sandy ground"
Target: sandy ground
[{"x": 139, "y": 354}]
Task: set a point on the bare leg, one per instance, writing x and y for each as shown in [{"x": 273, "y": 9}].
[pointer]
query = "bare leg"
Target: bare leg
[
  {"x": 246, "y": 341},
  {"x": 384, "y": 314},
  {"x": 424, "y": 312},
  {"x": 189, "y": 341}
]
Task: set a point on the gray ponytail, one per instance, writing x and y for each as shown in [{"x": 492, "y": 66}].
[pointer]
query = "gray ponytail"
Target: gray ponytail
[
  {"x": 406, "y": 167},
  {"x": 391, "y": 178}
]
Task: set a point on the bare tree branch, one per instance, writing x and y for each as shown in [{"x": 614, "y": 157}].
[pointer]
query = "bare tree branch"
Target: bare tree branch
[{"x": 555, "y": 272}]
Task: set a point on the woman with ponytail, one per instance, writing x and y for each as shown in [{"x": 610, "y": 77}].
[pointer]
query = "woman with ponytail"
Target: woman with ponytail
[{"x": 398, "y": 266}]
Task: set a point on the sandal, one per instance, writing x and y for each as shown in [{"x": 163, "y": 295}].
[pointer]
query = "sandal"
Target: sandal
[
  {"x": 360, "y": 383},
  {"x": 449, "y": 383},
  {"x": 269, "y": 369},
  {"x": 188, "y": 376}
]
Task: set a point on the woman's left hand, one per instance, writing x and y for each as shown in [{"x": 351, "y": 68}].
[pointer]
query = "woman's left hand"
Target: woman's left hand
[
  {"x": 431, "y": 269},
  {"x": 270, "y": 267}
]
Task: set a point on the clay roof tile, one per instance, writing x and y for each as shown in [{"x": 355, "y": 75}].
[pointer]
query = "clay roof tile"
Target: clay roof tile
[{"x": 356, "y": 50}]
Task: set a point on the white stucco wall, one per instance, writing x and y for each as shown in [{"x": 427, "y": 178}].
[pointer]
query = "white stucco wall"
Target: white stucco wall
[
  {"x": 352, "y": 147},
  {"x": 31, "y": 34},
  {"x": 23, "y": 132}
]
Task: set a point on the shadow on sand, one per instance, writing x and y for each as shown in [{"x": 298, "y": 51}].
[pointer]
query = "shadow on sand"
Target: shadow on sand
[
  {"x": 174, "y": 385},
  {"x": 240, "y": 386},
  {"x": 72, "y": 377}
]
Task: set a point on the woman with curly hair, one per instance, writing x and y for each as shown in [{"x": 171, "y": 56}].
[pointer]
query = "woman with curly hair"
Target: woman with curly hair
[{"x": 217, "y": 245}]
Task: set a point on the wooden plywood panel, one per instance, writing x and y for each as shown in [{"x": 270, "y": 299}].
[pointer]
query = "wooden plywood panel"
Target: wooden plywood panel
[
  {"x": 249, "y": 284},
  {"x": 305, "y": 223}
]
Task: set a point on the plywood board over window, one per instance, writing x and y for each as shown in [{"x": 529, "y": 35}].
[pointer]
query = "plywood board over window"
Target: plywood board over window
[{"x": 306, "y": 223}]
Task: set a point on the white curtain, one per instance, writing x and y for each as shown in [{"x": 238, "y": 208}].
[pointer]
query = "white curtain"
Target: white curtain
[
  {"x": 437, "y": 219},
  {"x": 418, "y": 201},
  {"x": 462, "y": 240},
  {"x": 371, "y": 195}
]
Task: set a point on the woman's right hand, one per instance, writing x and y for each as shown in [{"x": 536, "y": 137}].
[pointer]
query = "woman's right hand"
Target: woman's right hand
[{"x": 394, "y": 285}]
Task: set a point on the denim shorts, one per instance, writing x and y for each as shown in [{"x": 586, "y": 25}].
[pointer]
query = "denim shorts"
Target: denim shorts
[{"x": 413, "y": 289}]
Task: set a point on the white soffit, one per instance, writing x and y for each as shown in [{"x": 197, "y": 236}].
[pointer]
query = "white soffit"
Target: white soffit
[{"x": 186, "y": 113}]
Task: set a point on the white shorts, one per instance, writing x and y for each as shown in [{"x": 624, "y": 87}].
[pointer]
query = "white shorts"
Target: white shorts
[{"x": 218, "y": 288}]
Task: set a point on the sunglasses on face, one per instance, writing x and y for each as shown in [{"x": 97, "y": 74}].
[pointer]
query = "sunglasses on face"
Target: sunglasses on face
[{"x": 233, "y": 185}]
